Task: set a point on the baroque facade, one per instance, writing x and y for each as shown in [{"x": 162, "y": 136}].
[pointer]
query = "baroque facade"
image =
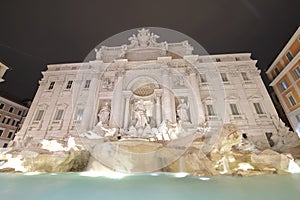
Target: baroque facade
[
  {"x": 139, "y": 89},
  {"x": 284, "y": 74}
]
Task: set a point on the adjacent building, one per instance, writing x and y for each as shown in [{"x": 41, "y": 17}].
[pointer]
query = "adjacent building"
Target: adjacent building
[
  {"x": 284, "y": 75},
  {"x": 134, "y": 89},
  {"x": 12, "y": 115}
]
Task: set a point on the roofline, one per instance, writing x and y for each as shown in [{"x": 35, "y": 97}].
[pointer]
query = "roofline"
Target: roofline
[
  {"x": 208, "y": 55},
  {"x": 286, "y": 69},
  {"x": 4, "y": 65},
  {"x": 14, "y": 103},
  {"x": 295, "y": 35}
]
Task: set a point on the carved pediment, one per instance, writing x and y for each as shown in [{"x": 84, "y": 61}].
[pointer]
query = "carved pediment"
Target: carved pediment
[
  {"x": 208, "y": 99},
  {"x": 232, "y": 98},
  {"x": 255, "y": 98}
]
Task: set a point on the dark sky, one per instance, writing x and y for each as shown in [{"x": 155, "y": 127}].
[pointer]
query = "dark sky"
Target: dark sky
[{"x": 36, "y": 33}]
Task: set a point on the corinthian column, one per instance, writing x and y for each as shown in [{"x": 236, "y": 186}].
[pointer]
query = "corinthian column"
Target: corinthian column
[
  {"x": 89, "y": 112},
  {"x": 197, "y": 114},
  {"x": 127, "y": 95},
  {"x": 168, "y": 103},
  {"x": 158, "y": 108}
]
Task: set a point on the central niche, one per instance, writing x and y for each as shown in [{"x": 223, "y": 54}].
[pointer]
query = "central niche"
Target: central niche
[
  {"x": 142, "y": 109},
  {"x": 144, "y": 90}
]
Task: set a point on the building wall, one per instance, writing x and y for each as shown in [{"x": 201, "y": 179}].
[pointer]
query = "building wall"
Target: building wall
[
  {"x": 10, "y": 120},
  {"x": 243, "y": 88},
  {"x": 285, "y": 82}
]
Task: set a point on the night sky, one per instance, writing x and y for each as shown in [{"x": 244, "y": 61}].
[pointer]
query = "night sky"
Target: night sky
[{"x": 36, "y": 33}]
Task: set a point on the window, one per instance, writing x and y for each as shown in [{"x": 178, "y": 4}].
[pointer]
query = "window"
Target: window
[
  {"x": 224, "y": 77},
  {"x": 283, "y": 84},
  {"x": 282, "y": 63},
  {"x": 79, "y": 114},
  {"x": 69, "y": 85},
  {"x": 20, "y": 112},
  {"x": 10, "y": 134},
  {"x": 289, "y": 56},
  {"x": 1, "y": 105},
  {"x": 1, "y": 132},
  {"x": 11, "y": 109},
  {"x": 298, "y": 118},
  {"x": 258, "y": 108},
  {"x": 296, "y": 72},
  {"x": 218, "y": 59},
  {"x": 210, "y": 110},
  {"x": 58, "y": 114},
  {"x": 292, "y": 100},
  {"x": 39, "y": 115},
  {"x": 87, "y": 84},
  {"x": 15, "y": 123},
  {"x": 51, "y": 85},
  {"x": 5, "y": 145},
  {"x": 203, "y": 78},
  {"x": 6, "y": 120},
  {"x": 245, "y": 76},
  {"x": 276, "y": 70},
  {"x": 234, "y": 109}
]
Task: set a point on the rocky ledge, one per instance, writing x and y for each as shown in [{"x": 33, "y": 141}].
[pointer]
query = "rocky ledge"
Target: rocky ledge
[{"x": 230, "y": 154}]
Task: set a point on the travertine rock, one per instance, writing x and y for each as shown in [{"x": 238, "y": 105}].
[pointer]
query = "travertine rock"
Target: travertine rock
[{"x": 44, "y": 161}]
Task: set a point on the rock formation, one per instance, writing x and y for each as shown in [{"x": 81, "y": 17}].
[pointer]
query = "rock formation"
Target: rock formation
[{"x": 231, "y": 154}]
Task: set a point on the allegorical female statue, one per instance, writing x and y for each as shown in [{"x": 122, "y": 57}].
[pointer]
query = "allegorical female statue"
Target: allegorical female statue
[
  {"x": 104, "y": 113},
  {"x": 182, "y": 111}
]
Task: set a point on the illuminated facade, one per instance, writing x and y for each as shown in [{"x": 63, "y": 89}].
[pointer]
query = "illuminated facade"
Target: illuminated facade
[{"x": 132, "y": 90}]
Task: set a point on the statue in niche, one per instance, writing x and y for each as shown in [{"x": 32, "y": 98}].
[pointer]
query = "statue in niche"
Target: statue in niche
[
  {"x": 182, "y": 111},
  {"x": 140, "y": 114},
  {"x": 104, "y": 113}
]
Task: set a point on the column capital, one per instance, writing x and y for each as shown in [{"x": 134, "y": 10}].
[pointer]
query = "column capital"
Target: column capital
[
  {"x": 158, "y": 92},
  {"x": 127, "y": 93}
]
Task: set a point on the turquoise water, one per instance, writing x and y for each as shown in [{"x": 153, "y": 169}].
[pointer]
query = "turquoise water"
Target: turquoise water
[{"x": 75, "y": 186}]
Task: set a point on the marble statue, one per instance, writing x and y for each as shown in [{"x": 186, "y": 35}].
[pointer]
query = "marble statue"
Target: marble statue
[
  {"x": 109, "y": 132},
  {"x": 104, "y": 113},
  {"x": 99, "y": 53},
  {"x": 140, "y": 115},
  {"x": 133, "y": 41},
  {"x": 182, "y": 111},
  {"x": 145, "y": 39},
  {"x": 91, "y": 135}
]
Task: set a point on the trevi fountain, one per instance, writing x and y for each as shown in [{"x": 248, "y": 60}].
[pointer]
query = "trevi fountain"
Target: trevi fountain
[{"x": 154, "y": 110}]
